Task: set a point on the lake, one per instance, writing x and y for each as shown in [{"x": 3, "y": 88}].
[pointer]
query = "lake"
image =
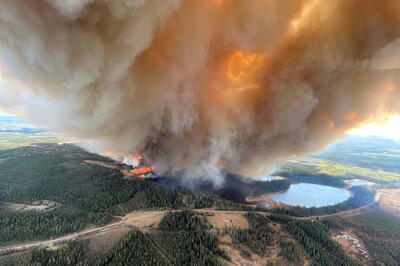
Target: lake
[
  {"x": 271, "y": 177},
  {"x": 359, "y": 182},
  {"x": 311, "y": 195}
]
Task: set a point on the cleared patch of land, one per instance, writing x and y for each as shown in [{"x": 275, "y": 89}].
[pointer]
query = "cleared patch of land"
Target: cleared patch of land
[
  {"x": 373, "y": 230},
  {"x": 104, "y": 241},
  {"x": 144, "y": 220},
  {"x": 39, "y": 206},
  {"x": 242, "y": 256},
  {"x": 353, "y": 246},
  {"x": 389, "y": 199},
  {"x": 221, "y": 220}
]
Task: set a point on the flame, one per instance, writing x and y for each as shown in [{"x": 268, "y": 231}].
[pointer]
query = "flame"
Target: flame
[
  {"x": 236, "y": 85},
  {"x": 241, "y": 70},
  {"x": 145, "y": 170}
]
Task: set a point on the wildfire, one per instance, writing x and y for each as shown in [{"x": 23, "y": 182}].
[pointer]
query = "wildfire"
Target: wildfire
[
  {"x": 306, "y": 12},
  {"x": 145, "y": 170},
  {"x": 132, "y": 159},
  {"x": 242, "y": 68}
]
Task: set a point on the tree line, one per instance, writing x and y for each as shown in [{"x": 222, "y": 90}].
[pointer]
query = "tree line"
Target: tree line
[
  {"x": 183, "y": 238},
  {"x": 315, "y": 239},
  {"x": 257, "y": 237}
]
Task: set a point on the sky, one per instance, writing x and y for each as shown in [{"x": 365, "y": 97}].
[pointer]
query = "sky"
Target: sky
[{"x": 389, "y": 129}]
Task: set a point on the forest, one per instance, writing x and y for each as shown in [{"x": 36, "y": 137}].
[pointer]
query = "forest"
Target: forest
[
  {"x": 24, "y": 226},
  {"x": 378, "y": 230},
  {"x": 89, "y": 194},
  {"x": 257, "y": 237},
  {"x": 263, "y": 187},
  {"x": 183, "y": 238},
  {"x": 94, "y": 195},
  {"x": 315, "y": 239},
  {"x": 290, "y": 252},
  {"x": 186, "y": 237},
  {"x": 73, "y": 253}
]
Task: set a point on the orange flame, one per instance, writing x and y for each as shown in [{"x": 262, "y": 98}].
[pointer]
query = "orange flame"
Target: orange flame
[
  {"x": 145, "y": 170},
  {"x": 241, "y": 69}
]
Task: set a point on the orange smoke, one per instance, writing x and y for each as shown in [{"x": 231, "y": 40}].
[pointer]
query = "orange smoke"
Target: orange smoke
[
  {"x": 304, "y": 16},
  {"x": 241, "y": 70},
  {"x": 196, "y": 84},
  {"x": 390, "y": 88},
  {"x": 349, "y": 117},
  {"x": 331, "y": 124}
]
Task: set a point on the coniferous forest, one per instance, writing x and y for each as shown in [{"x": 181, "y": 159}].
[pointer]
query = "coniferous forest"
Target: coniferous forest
[{"x": 87, "y": 195}]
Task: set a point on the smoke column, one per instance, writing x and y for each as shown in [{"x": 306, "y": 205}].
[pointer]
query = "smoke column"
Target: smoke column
[{"x": 201, "y": 86}]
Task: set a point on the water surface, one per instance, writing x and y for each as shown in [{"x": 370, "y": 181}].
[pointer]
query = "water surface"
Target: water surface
[
  {"x": 311, "y": 195},
  {"x": 271, "y": 178},
  {"x": 358, "y": 182}
]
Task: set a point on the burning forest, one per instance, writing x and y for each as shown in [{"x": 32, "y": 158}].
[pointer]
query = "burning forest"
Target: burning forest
[{"x": 201, "y": 87}]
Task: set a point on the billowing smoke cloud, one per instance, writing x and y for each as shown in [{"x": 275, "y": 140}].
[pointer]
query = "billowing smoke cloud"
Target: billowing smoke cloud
[{"x": 197, "y": 86}]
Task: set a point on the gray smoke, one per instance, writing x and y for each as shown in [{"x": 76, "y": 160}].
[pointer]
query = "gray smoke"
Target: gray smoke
[{"x": 201, "y": 86}]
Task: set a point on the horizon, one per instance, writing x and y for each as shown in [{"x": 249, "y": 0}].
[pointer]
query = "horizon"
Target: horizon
[{"x": 385, "y": 128}]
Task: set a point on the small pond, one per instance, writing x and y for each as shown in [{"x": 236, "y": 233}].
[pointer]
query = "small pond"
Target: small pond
[{"x": 311, "y": 195}]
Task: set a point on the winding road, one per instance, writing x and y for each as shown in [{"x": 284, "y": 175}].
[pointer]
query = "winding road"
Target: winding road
[{"x": 144, "y": 220}]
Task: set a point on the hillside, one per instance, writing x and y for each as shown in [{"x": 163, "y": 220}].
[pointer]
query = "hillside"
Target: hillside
[{"x": 57, "y": 209}]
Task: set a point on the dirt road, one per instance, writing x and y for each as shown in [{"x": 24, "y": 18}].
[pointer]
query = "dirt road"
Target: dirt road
[
  {"x": 148, "y": 220},
  {"x": 141, "y": 219}
]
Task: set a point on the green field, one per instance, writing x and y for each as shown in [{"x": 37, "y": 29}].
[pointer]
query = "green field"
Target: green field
[
  {"x": 11, "y": 141},
  {"x": 369, "y": 158}
]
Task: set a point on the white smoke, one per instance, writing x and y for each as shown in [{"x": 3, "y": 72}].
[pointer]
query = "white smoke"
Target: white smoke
[{"x": 200, "y": 86}]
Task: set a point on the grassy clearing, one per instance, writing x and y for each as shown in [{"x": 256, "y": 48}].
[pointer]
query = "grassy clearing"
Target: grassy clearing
[
  {"x": 12, "y": 141},
  {"x": 336, "y": 170},
  {"x": 353, "y": 172}
]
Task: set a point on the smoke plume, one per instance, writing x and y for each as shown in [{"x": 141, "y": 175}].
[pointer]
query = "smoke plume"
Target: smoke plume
[{"x": 201, "y": 86}]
